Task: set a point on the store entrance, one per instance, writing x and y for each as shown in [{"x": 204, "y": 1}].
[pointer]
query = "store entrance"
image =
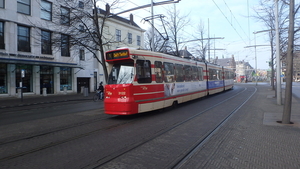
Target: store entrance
[
  {"x": 46, "y": 75},
  {"x": 85, "y": 82},
  {"x": 47, "y": 82}
]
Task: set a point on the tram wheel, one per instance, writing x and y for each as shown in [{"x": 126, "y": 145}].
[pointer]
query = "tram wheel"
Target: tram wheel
[
  {"x": 175, "y": 104},
  {"x": 96, "y": 97}
]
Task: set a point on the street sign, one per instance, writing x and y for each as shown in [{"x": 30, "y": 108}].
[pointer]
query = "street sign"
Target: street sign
[{"x": 22, "y": 73}]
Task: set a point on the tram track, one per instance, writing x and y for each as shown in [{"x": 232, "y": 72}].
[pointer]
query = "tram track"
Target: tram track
[
  {"x": 35, "y": 135},
  {"x": 57, "y": 130},
  {"x": 201, "y": 142},
  {"x": 103, "y": 163},
  {"x": 37, "y": 105},
  {"x": 108, "y": 158}
]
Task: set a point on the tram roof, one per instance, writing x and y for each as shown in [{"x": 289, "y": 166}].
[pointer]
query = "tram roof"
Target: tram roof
[{"x": 159, "y": 54}]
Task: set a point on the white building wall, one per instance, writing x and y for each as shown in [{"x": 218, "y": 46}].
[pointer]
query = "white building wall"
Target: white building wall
[
  {"x": 125, "y": 28},
  {"x": 110, "y": 27},
  {"x": 12, "y": 19}
]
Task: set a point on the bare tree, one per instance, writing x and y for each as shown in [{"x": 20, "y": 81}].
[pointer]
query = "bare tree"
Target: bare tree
[
  {"x": 202, "y": 45},
  {"x": 83, "y": 23},
  {"x": 286, "y": 117},
  {"x": 266, "y": 14},
  {"x": 176, "y": 24},
  {"x": 159, "y": 40}
]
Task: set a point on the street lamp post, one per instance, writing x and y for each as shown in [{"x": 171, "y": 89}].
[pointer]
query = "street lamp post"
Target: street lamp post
[
  {"x": 152, "y": 28},
  {"x": 255, "y": 60}
]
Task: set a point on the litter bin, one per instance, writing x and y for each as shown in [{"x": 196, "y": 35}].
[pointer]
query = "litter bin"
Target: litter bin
[{"x": 86, "y": 92}]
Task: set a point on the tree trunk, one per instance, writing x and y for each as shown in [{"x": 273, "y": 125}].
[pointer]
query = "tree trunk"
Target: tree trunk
[
  {"x": 286, "y": 117},
  {"x": 272, "y": 67}
]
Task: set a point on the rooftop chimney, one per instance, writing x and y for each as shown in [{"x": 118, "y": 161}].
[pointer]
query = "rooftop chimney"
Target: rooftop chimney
[
  {"x": 107, "y": 8},
  {"x": 131, "y": 19}
]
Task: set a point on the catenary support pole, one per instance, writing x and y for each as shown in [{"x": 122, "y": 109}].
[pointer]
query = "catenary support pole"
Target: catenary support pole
[{"x": 278, "y": 63}]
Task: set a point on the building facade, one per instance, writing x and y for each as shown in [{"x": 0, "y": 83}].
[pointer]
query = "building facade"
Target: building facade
[
  {"x": 226, "y": 62},
  {"x": 37, "y": 54},
  {"x": 244, "y": 71},
  {"x": 29, "y": 59}
]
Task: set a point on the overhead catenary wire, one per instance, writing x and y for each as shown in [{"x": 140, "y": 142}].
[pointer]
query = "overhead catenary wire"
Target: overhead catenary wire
[
  {"x": 123, "y": 8},
  {"x": 235, "y": 19},
  {"x": 229, "y": 22},
  {"x": 138, "y": 6}
]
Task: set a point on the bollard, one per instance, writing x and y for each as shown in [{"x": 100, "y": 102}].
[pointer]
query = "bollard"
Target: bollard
[
  {"x": 82, "y": 87},
  {"x": 19, "y": 93},
  {"x": 65, "y": 90},
  {"x": 44, "y": 91},
  {"x": 86, "y": 92}
]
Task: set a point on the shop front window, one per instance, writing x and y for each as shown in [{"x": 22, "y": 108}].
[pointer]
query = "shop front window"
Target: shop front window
[
  {"x": 65, "y": 78},
  {"x": 46, "y": 77},
  {"x": 3, "y": 78},
  {"x": 24, "y": 77}
]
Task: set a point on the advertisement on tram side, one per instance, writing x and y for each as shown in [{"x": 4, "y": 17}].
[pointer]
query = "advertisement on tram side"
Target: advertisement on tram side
[{"x": 173, "y": 89}]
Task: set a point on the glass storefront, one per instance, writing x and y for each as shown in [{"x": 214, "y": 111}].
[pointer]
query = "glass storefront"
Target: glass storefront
[
  {"x": 65, "y": 78},
  {"x": 46, "y": 77},
  {"x": 3, "y": 78},
  {"x": 26, "y": 72},
  {"x": 24, "y": 77}
]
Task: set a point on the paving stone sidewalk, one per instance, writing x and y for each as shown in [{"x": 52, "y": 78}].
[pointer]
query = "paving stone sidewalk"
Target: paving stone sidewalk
[
  {"x": 253, "y": 138},
  {"x": 40, "y": 99}
]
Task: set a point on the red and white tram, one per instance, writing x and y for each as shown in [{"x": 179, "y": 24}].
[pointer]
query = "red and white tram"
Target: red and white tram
[{"x": 142, "y": 81}]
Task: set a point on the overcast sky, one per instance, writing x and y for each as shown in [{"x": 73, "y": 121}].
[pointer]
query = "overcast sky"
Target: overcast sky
[{"x": 230, "y": 19}]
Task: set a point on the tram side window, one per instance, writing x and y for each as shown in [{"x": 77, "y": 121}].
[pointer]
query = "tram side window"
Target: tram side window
[
  {"x": 195, "y": 73},
  {"x": 212, "y": 74},
  {"x": 168, "y": 72},
  {"x": 219, "y": 74},
  {"x": 158, "y": 71},
  {"x": 188, "y": 72},
  {"x": 200, "y": 73},
  {"x": 231, "y": 75},
  {"x": 227, "y": 75},
  {"x": 143, "y": 71},
  {"x": 179, "y": 75}
]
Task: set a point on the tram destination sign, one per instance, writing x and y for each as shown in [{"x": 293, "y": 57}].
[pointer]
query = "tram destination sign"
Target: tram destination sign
[{"x": 117, "y": 54}]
